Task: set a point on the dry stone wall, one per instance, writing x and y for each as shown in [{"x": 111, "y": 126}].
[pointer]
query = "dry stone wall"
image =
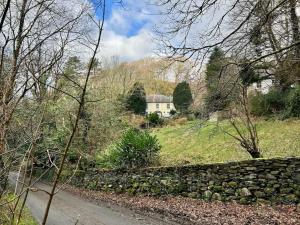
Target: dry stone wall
[{"x": 273, "y": 180}]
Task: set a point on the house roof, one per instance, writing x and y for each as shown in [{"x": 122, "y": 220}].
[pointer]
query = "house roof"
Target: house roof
[{"x": 159, "y": 99}]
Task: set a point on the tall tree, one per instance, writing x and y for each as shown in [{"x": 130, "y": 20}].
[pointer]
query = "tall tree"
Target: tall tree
[
  {"x": 136, "y": 100},
  {"x": 73, "y": 65},
  {"x": 216, "y": 98},
  {"x": 214, "y": 69},
  {"x": 182, "y": 97}
]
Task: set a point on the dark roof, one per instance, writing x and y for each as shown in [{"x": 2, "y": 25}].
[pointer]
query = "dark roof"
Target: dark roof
[{"x": 159, "y": 99}]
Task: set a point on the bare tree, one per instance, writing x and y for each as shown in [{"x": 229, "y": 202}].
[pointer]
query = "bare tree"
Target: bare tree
[
  {"x": 192, "y": 29},
  {"x": 265, "y": 33},
  {"x": 35, "y": 37},
  {"x": 95, "y": 48}
]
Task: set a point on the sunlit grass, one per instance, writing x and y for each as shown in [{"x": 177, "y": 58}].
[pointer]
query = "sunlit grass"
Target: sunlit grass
[
  {"x": 197, "y": 142},
  {"x": 5, "y": 213}
]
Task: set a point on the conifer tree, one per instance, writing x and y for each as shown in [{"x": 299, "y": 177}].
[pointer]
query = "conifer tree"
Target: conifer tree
[
  {"x": 182, "y": 97},
  {"x": 136, "y": 100}
]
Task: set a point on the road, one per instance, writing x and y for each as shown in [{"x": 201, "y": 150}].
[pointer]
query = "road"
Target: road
[{"x": 68, "y": 209}]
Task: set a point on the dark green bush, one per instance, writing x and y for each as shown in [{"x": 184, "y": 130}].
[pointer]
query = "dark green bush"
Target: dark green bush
[
  {"x": 273, "y": 102},
  {"x": 294, "y": 102},
  {"x": 257, "y": 104},
  {"x": 135, "y": 149},
  {"x": 154, "y": 119},
  {"x": 173, "y": 112},
  {"x": 276, "y": 101}
]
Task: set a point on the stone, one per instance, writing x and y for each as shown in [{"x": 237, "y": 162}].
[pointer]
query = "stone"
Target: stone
[
  {"x": 193, "y": 195},
  {"x": 262, "y": 201},
  {"x": 251, "y": 176},
  {"x": 246, "y": 182},
  {"x": 259, "y": 194},
  {"x": 211, "y": 183},
  {"x": 217, "y": 188},
  {"x": 229, "y": 191},
  {"x": 286, "y": 190},
  {"x": 298, "y": 207},
  {"x": 269, "y": 191},
  {"x": 249, "y": 183},
  {"x": 291, "y": 198},
  {"x": 232, "y": 184},
  {"x": 243, "y": 201},
  {"x": 252, "y": 168},
  {"x": 207, "y": 194},
  {"x": 275, "y": 172},
  {"x": 270, "y": 176},
  {"x": 217, "y": 197},
  {"x": 164, "y": 182},
  {"x": 245, "y": 192},
  {"x": 297, "y": 178}
]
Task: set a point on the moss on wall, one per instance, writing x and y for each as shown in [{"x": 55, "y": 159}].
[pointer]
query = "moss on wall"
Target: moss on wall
[{"x": 273, "y": 180}]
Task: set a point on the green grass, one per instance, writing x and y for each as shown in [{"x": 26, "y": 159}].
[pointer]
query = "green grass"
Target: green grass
[
  {"x": 5, "y": 215},
  {"x": 197, "y": 142}
]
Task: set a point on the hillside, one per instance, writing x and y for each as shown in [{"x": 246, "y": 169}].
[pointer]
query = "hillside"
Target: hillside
[{"x": 196, "y": 142}]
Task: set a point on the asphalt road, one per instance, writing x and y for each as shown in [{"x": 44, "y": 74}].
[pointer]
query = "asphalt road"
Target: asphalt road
[{"x": 68, "y": 209}]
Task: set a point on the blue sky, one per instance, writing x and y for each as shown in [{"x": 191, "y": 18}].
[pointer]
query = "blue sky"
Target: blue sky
[
  {"x": 133, "y": 13},
  {"x": 128, "y": 30}
]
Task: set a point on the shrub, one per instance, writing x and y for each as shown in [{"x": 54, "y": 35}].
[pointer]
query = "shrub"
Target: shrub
[
  {"x": 294, "y": 102},
  {"x": 135, "y": 149},
  {"x": 173, "y": 112},
  {"x": 266, "y": 104},
  {"x": 257, "y": 104},
  {"x": 276, "y": 101},
  {"x": 154, "y": 119}
]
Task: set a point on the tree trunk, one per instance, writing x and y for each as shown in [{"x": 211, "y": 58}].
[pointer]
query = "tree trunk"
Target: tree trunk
[
  {"x": 2, "y": 139},
  {"x": 255, "y": 154}
]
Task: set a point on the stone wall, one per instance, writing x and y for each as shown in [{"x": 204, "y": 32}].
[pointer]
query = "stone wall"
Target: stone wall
[{"x": 273, "y": 180}]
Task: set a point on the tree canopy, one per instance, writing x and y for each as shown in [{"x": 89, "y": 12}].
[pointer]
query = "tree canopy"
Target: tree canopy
[
  {"x": 182, "y": 97},
  {"x": 136, "y": 100}
]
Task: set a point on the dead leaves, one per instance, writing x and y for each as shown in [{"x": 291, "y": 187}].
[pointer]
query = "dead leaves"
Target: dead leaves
[{"x": 192, "y": 211}]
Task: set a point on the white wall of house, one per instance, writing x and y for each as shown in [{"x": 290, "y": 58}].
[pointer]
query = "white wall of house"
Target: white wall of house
[
  {"x": 163, "y": 108},
  {"x": 262, "y": 87}
]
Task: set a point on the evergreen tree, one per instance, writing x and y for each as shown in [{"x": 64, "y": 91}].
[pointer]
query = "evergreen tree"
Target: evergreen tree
[
  {"x": 136, "y": 100},
  {"x": 73, "y": 65},
  {"x": 182, "y": 97},
  {"x": 214, "y": 69},
  {"x": 216, "y": 97},
  {"x": 248, "y": 74}
]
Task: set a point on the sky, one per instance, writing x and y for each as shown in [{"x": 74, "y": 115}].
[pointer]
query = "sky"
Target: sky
[{"x": 128, "y": 30}]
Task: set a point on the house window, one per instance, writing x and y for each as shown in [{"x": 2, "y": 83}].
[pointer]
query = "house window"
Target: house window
[
  {"x": 258, "y": 84},
  {"x": 157, "y": 105},
  {"x": 168, "y": 106}
]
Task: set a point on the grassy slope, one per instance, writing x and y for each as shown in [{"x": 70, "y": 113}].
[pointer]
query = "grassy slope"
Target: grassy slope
[
  {"x": 205, "y": 143},
  {"x": 26, "y": 219}
]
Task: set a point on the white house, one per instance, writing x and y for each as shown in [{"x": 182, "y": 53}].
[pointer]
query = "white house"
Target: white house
[
  {"x": 160, "y": 104},
  {"x": 263, "y": 87}
]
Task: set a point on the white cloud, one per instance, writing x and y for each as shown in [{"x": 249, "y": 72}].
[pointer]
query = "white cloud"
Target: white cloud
[
  {"x": 118, "y": 38},
  {"x": 127, "y": 48},
  {"x": 118, "y": 22},
  {"x": 117, "y": 42}
]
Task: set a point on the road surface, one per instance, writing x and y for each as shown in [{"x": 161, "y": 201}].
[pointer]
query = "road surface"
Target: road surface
[{"x": 68, "y": 209}]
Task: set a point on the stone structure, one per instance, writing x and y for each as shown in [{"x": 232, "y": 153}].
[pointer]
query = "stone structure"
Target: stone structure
[{"x": 272, "y": 180}]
